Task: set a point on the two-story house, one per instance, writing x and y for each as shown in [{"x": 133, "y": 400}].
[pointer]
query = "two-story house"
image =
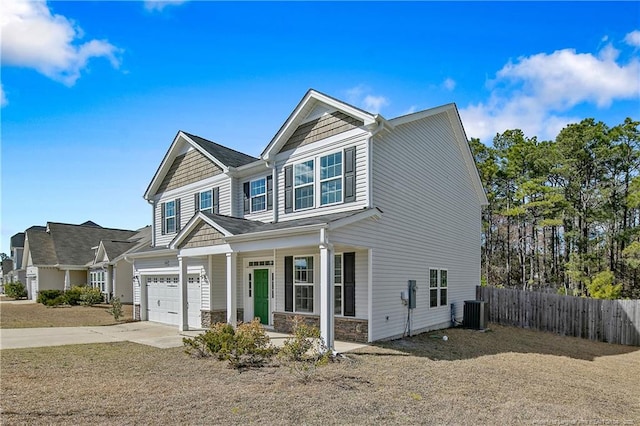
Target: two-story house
[{"x": 341, "y": 210}]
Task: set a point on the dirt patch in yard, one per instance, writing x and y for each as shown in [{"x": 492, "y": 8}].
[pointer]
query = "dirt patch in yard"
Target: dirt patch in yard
[
  {"x": 31, "y": 315},
  {"x": 507, "y": 376}
]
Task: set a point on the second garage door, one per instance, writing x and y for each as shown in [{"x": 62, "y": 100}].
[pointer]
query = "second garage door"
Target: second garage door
[{"x": 163, "y": 305}]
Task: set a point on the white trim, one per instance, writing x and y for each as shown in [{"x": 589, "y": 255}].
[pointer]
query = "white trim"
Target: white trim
[
  {"x": 311, "y": 184},
  {"x": 251, "y": 211},
  {"x": 249, "y": 308},
  {"x": 314, "y": 284},
  {"x": 339, "y": 177},
  {"x": 205, "y": 251},
  {"x": 370, "y": 295},
  {"x": 438, "y": 289}
]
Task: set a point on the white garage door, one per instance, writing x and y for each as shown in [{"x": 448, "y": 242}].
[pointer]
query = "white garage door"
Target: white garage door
[{"x": 163, "y": 305}]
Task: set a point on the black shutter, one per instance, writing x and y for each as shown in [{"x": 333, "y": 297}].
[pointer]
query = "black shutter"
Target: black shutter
[
  {"x": 247, "y": 197},
  {"x": 288, "y": 189},
  {"x": 177, "y": 214},
  {"x": 162, "y": 216},
  {"x": 196, "y": 201},
  {"x": 215, "y": 193},
  {"x": 269, "y": 192},
  {"x": 288, "y": 283},
  {"x": 349, "y": 284},
  {"x": 350, "y": 174}
]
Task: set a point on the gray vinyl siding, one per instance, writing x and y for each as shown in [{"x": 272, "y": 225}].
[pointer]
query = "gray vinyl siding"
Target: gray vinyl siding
[
  {"x": 431, "y": 219},
  {"x": 187, "y": 205},
  {"x": 316, "y": 151},
  {"x": 361, "y": 278}
]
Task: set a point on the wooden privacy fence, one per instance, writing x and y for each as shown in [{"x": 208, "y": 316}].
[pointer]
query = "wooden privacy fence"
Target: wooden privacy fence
[{"x": 613, "y": 321}]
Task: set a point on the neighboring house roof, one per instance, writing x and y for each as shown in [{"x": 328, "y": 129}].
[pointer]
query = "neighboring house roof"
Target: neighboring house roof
[
  {"x": 17, "y": 240},
  {"x": 227, "y": 156},
  {"x": 41, "y": 247},
  {"x": 7, "y": 266},
  {"x": 71, "y": 245},
  {"x": 90, "y": 223}
]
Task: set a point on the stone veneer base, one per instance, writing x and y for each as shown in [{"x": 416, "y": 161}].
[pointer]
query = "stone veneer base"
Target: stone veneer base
[{"x": 347, "y": 329}]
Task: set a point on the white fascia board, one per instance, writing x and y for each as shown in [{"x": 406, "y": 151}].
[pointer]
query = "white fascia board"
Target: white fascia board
[
  {"x": 149, "y": 254},
  {"x": 205, "y": 251},
  {"x": 70, "y": 267},
  {"x": 421, "y": 114},
  {"x": 307, "y": 240},
  {"x": 373, "y": 213},
  {"x": 275, "y": 233}
]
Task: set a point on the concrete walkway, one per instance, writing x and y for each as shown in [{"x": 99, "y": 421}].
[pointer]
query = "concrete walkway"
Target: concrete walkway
[{"x": 143, "y": 332}]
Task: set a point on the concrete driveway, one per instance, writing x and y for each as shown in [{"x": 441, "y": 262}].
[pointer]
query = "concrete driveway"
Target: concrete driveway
[{"x": 142, "y": 332}]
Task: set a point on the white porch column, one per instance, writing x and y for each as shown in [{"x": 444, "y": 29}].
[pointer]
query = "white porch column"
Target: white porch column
[
  {"x": 327, "y": 312},
  {"x": 142, "y": 281},
  {"x": 232, "y": 304},
  {"x": 67, "y": 280},
  {"x": 108, "y": 285},
  {"x": 184, "y": 310}
]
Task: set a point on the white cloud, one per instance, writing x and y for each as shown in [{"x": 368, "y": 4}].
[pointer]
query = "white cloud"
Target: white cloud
[
  {"x": 449, "y": 84},
  {"x": 537, "y": 93},
  {"x": 3, "y": 97},
  {"x": 159, "y": 5},
  {"x": 633, "y": 38},
  {"x": 35, "y": 38},
  {"x": 363, "y": 97}
]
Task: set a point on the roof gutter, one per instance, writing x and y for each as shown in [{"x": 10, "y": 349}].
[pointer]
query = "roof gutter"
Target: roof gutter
[{"x": 275, "y": 233}]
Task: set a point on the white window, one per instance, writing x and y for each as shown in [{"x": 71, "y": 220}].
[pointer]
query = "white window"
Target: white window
[
  {"x": 206, "y": 201},
  {"x": 437, "y": 287},
  {"x": 303, "y": 181},
  {"x": 170, "y": 217},
  {"x": 337, "y": 284},
  {"x": 331, "y": 179},
  {"x": 258, "y": 195},
  {"x": 303, "y": 283}
]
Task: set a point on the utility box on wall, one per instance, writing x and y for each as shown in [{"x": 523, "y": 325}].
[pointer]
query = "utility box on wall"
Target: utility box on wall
[
  {"x": 476, "y": 314},
  {"x": 412, "y": 294}
]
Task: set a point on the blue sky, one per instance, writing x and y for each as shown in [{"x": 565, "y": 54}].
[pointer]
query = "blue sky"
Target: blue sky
[{"x": 93, "y": 92}]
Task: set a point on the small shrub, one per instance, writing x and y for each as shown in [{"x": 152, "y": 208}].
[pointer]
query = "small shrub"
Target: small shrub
[
  {"x": 16, "y": 290},
  {"x": 91, "y": 296},
  {"x": 51, "y": 297},
  {"x": 73, "y": 295},
  {"x": 246, "y": 346},
  {"x": 305, "y": 351},
  {"x": 116, "y": 308}
]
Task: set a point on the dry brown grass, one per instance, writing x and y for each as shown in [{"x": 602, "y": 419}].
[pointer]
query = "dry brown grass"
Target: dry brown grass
[
  {"x": 505, "y": 376},
  {"x": 31, "y": 315}
]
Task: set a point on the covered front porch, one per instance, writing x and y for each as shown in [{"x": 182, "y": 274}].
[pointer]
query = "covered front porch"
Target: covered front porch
[{"x": 276, "y": 272}]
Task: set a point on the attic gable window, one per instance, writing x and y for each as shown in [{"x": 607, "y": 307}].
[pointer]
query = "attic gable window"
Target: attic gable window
[
  {"x": 258, "y": 195},
  {"x": 331, "y": 178},
  {"x": 303, "y": 179}
]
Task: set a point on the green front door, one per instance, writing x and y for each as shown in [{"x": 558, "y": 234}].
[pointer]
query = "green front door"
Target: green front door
[{"x": 261, "y": 295}]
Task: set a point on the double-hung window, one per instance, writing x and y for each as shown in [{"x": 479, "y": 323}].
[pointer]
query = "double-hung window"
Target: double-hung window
[
  {"x": 437, "y": 287},
  {"x": 258, "y": 195},
  {"x": 331, "y": 179},
  {"x": 170, "y": 217},
  {"x": 303, "y": 178},
  {"x": 303, "y": 283},
  {"x": 337, "y": 284},
  {"x": 206, "y": 201}
]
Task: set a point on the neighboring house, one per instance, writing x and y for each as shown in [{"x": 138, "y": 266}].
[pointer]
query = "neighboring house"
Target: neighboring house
[
  {"x": 110, "y": 272},
  {"x": 56, "y": 256},
  {"x": 340, "y": 211},
  {"x": 15, "y": 273}
]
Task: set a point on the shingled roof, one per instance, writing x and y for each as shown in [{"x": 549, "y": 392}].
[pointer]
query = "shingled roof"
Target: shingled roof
[
  {"x": 41, "y": 246},
  {"x": 17, "y": 240},
  {"x": 226, "y": 156}
]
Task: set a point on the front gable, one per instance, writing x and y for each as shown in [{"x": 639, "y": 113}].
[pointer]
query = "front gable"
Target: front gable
[
  {"x": 328, "y": 124},
  {"x": 316, "y": 117},
  {"x": 202, "y": 235}
]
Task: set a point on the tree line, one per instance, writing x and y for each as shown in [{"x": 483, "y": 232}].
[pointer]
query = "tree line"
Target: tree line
[{"x": 563, "y": 214}]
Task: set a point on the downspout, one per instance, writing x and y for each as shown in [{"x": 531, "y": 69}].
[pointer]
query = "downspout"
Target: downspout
[
  {"x": 375, "y": 131},
  {"x": 274, "y": 188}
]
